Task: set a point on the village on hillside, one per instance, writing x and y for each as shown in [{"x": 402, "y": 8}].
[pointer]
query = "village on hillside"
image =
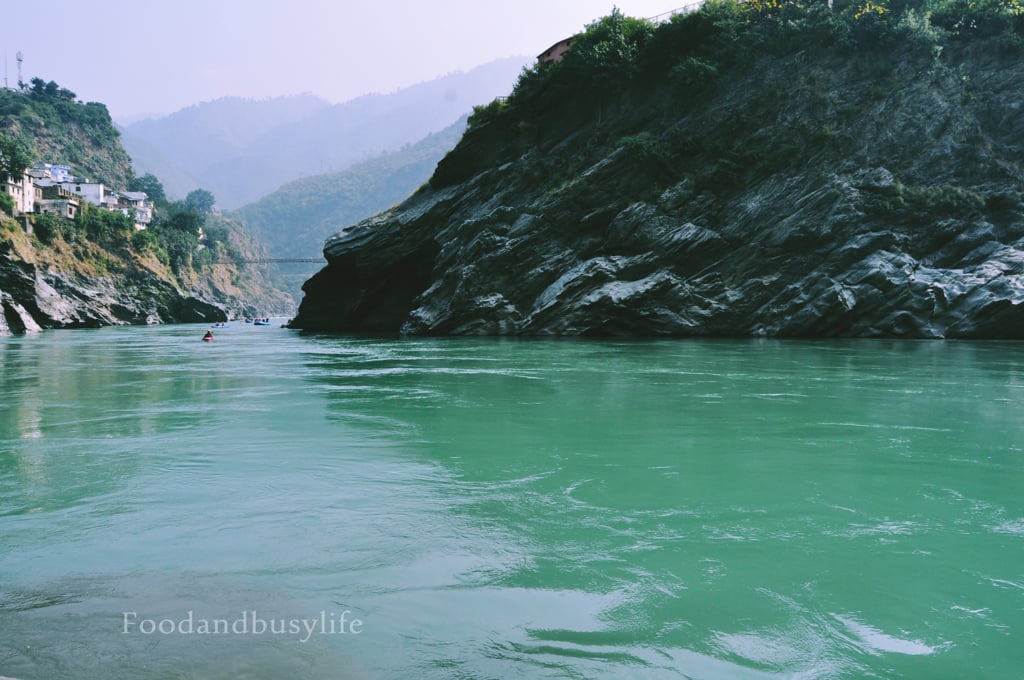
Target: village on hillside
[{"x": 52, "y": 189}]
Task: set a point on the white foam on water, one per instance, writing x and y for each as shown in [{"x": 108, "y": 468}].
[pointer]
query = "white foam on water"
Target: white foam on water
[
  {"x": 1014, "y": 527},
  {"x": 875, "y": 641}
]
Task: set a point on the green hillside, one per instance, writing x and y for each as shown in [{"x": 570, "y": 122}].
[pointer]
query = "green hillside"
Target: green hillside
[
  {"x": 66, "y": 132},
  {"x": 97, "y": 268}
]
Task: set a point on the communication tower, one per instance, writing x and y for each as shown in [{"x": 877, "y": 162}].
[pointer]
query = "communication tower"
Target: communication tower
[{"x": 20, "y": 58}]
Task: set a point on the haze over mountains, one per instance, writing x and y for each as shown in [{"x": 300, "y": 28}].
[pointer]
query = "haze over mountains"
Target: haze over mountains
[
  {"x": 295, "y": 220},
  {"x": 242, "y": 150},
  {"x": 315, "y": 208}
]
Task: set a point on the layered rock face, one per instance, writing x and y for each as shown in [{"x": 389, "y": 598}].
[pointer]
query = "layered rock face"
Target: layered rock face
[
  {"x": 33, "y": 297},
  {"x": 796, "y": 199}
]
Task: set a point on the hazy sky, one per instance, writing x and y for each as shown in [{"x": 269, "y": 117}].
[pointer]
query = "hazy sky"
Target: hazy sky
[{"x": 158, "y": 56}]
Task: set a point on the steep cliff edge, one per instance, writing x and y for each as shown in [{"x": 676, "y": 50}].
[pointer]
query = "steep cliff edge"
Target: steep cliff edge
[
  {"x": 764, "y": 169},
  {"x": 81, "y": 285}
]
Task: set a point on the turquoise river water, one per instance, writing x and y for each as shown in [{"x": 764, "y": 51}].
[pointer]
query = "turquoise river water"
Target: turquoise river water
[{"x": 274, "y": 505}]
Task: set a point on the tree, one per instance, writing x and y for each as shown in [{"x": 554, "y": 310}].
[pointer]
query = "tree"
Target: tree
[
  {"x": 178, "y": 235},
  {"x": 184, "y": 220},
  {"x": 152, "y": 187},
  {"x": 605, "y": 55},
  {"x": 200, "y": 201},
  {"x": 16, "y": 154},
  {"x": 41, "y": 88},
  {"x": 600, "y": 63}
]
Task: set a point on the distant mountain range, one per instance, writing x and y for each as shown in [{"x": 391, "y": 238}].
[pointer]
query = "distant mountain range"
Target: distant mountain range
[{"x": 242, "y": 150}]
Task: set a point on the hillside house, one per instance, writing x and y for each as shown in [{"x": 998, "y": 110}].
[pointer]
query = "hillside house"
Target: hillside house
[
  {"x": 58, "y": 173},
  {"x": 136, "y": 204},
  {"x": 556, "y": 51},
  {"x": 56, "y": 191},
  {"x": 110, "y": 202},
  {"x": 56, "y": 200},
  {"x": 24, "y": 192},
  {"x": 93, "y": 192}
]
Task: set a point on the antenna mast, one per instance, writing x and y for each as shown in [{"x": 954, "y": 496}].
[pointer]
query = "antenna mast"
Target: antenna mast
[{"x": 20, "y": 58}]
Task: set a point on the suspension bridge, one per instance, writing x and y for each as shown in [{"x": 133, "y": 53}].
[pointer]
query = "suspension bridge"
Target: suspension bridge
[{"x": 272, "y": 260}]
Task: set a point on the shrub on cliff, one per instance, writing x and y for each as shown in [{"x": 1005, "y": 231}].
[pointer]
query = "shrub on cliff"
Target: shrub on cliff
[
  {"x": 48, "y": 227},
  {"x": 603, "y": 59},
  {"x": 972, "y": 19},
  {"x": 105, "y": 228},
  {"x": 617, "y": 54}
]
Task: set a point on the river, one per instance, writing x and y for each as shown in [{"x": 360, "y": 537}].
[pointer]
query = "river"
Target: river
[{"x": 276, "y": 505}]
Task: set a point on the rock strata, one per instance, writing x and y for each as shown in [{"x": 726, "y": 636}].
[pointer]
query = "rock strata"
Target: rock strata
[
  {"x": 904, "y": 220},
  {"x": 33, "y": 297}
]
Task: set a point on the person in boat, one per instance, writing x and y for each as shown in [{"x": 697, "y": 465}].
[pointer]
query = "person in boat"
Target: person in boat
[{"x": 209, "y": 335}]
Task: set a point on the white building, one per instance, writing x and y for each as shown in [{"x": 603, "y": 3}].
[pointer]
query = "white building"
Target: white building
[
  {"x": 56, "y": 191},
  {"x": 93, "y": 192},
  {"x": 136, "y": 203}
]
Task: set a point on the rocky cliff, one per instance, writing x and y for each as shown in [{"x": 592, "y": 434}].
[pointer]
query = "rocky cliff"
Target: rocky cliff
[
  {"x": 766, "y": 169},
  {"x": 84, "y": 286}
]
